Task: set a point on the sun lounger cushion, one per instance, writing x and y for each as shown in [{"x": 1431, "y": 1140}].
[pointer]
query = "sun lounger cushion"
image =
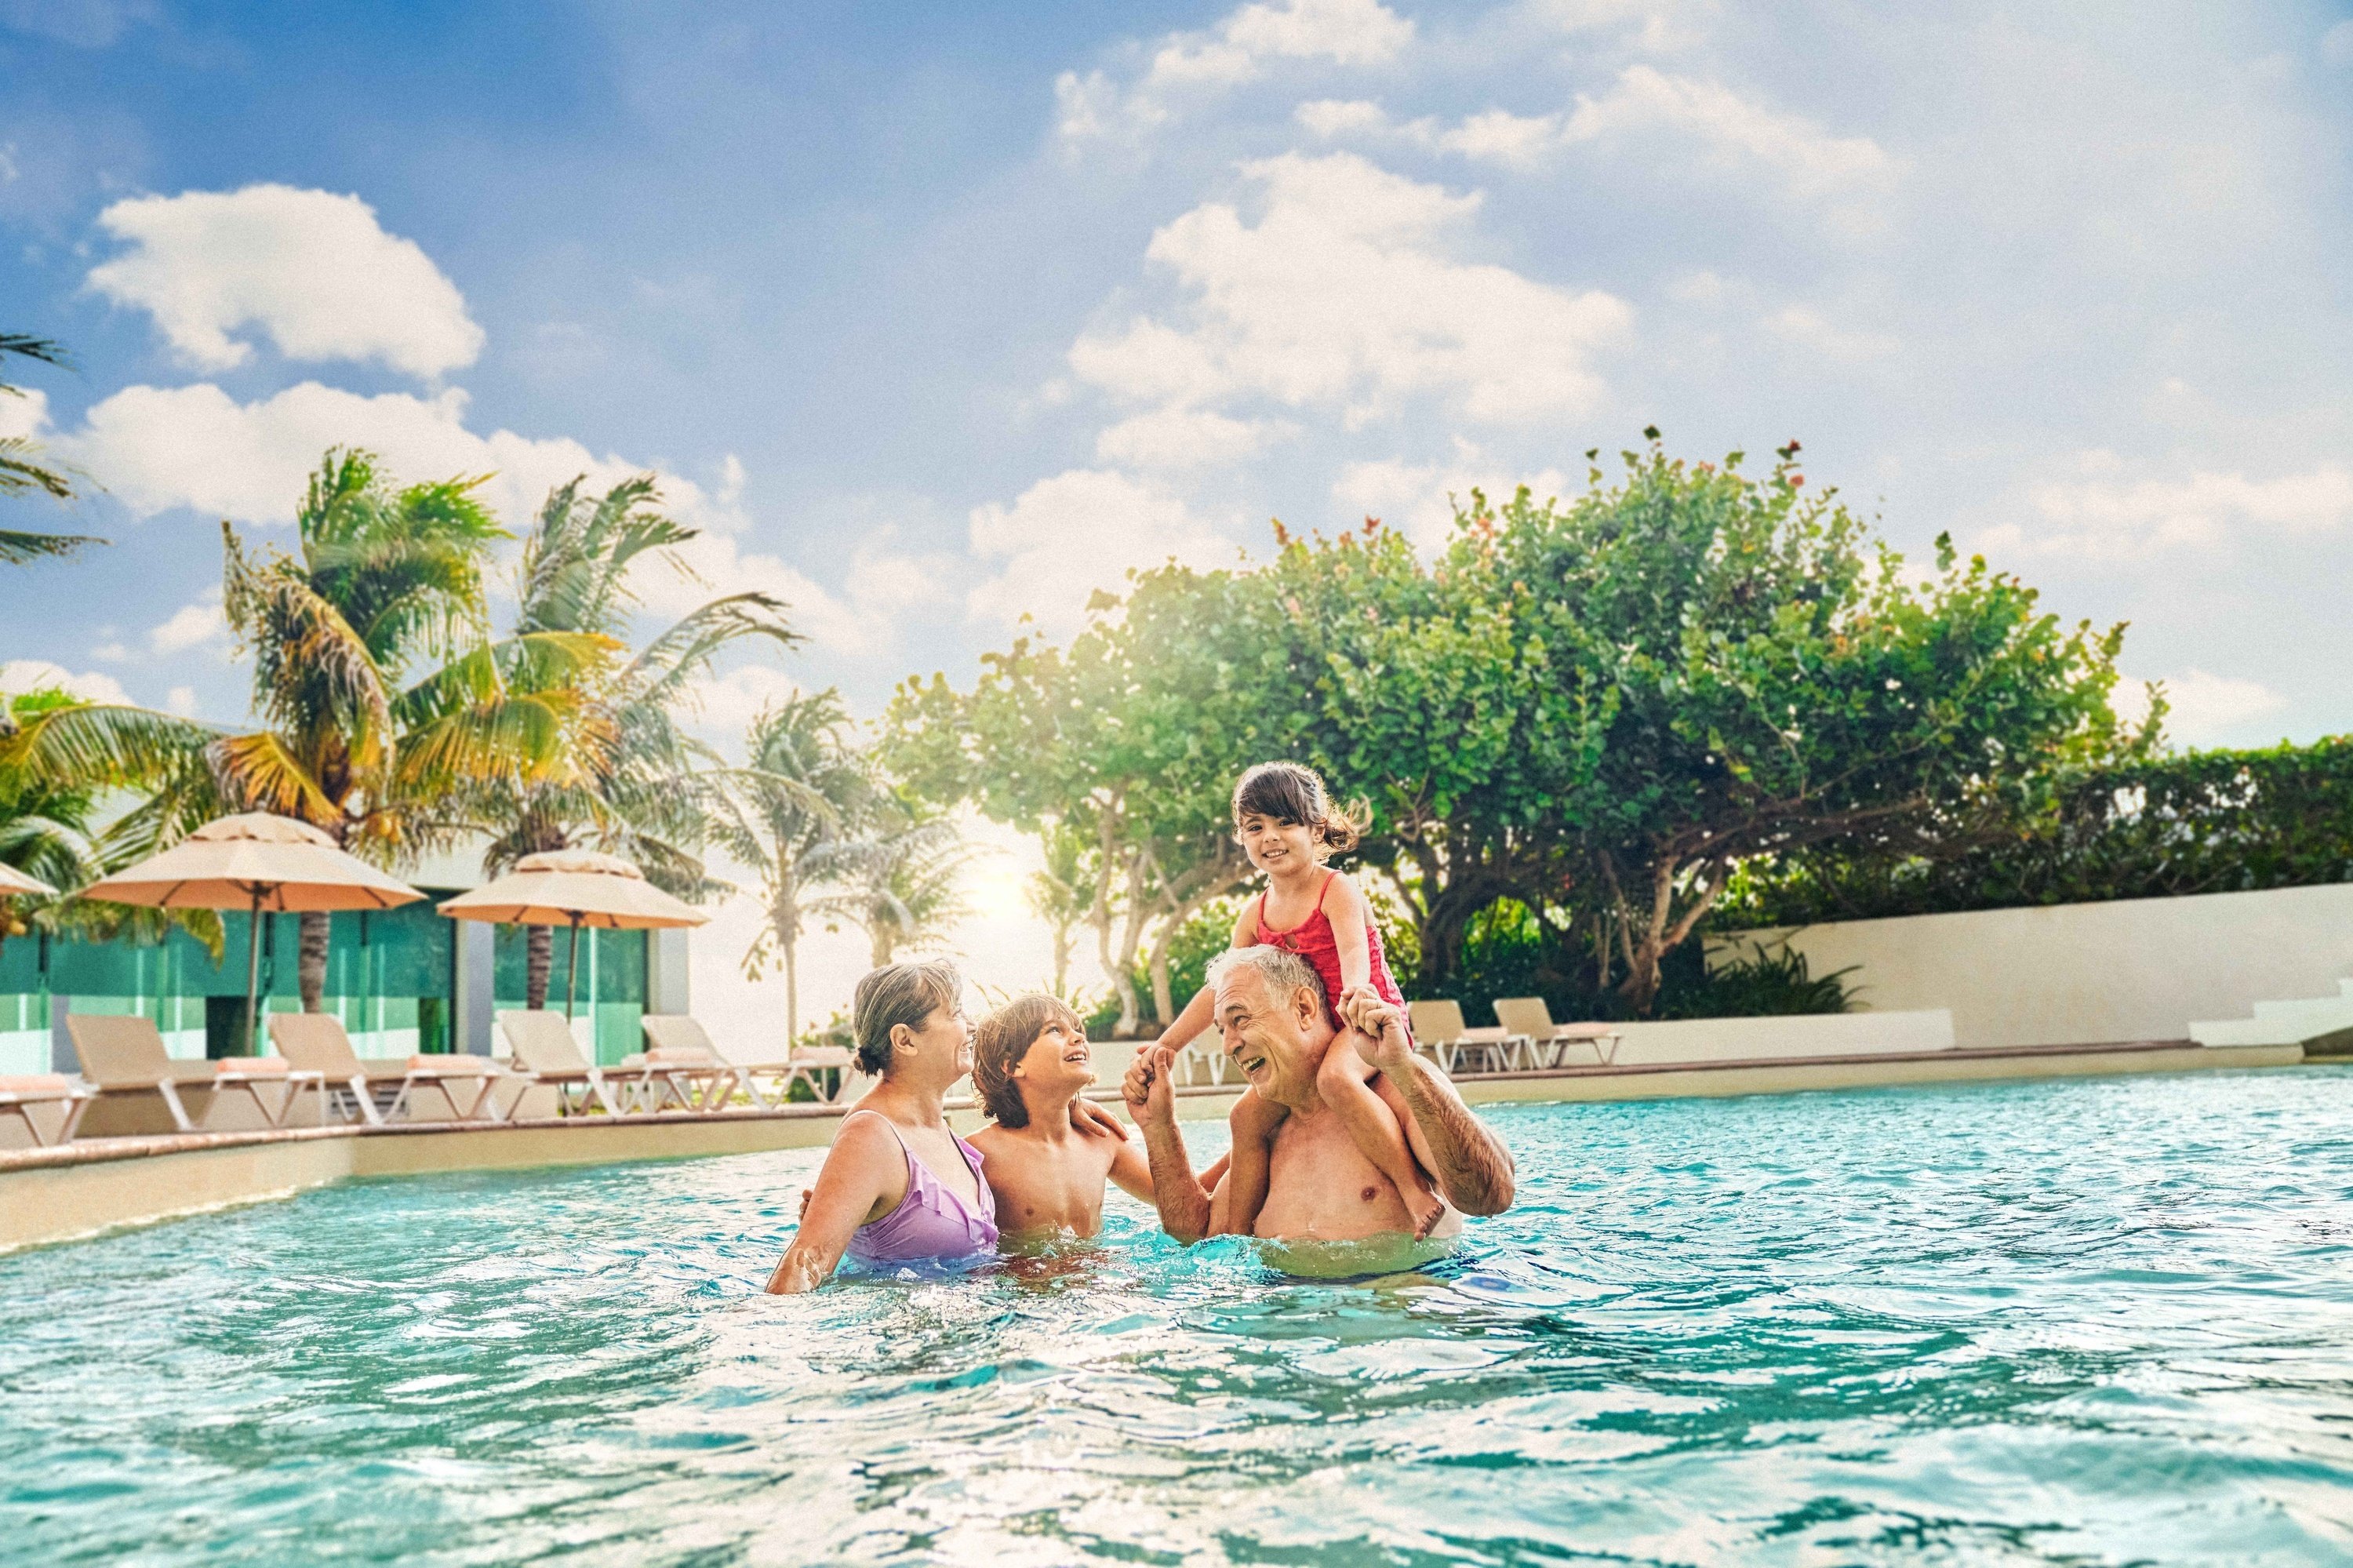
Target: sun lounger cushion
[
  {"x": 37, "y": 1085},
  {"x": 249, "y": 1066}
]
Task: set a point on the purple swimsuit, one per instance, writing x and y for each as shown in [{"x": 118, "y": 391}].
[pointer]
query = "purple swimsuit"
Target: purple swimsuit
[{"x": 931, "y": 1223}]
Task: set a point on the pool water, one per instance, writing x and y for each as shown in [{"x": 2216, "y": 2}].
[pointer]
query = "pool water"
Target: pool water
[{"x": 2087, "y": 1322}]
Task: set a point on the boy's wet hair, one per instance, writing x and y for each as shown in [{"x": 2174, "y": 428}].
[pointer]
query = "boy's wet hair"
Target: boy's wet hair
[
  {"x": 1288, "y": 792},
  {"x": 1003, "y": 1038},
  {"x": 896, "y": 994}
]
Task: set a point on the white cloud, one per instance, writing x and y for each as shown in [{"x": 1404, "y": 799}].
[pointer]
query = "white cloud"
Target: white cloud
[
  {"x": 1418, "y": 498},
  {"x": 1733, "y": 131},
  {"x": 1808, "y": 329},
  {"x": 182, "y": 700},
  {"x": 1186, "y": 438},
  {"x": 25, "y": 415},
  {"x": 2104, "y": 518},
  {"x": 1236, "y": 51},
  {"x": 157, "y": 447},
  {"x": 39, "y": 674},
  {"x": 1344, "y": 292},
  {"x": 1082, "y": 530},
  {"x": 2203, "y": 709},
  {"x": 191, "y": 626},
  {"x": 312, "y": 269}
]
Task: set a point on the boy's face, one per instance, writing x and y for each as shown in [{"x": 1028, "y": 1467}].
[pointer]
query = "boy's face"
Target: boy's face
[
  {"x": 1275, "y": 846},
  {"x": 1059, "y": 1060}
]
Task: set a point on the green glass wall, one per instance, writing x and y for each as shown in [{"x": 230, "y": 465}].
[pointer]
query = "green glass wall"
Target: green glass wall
[
  {"x": 391, "y": 978},
  {"x": 611, "y": 997}
]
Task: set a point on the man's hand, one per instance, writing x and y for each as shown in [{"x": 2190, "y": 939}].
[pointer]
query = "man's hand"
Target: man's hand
[
  {"x": 1382, "y": 1038},
  {"x": 1149, "y": 1086}
]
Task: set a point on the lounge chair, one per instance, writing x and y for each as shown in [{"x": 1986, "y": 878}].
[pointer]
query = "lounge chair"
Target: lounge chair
[
  {"x": 678, "y": 1039},
  {"x": 124, "y": 1059},
  {"x": 544, "y": 1052},
  {"x": 1551, "y": 1044},
  {"x": 464, "y": 1086},
  {"x": 1439, "y": 1031},
  {"x": 40, "y": 1110}
]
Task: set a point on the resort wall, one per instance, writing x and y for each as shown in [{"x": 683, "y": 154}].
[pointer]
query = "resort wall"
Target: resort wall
[{"x": 2077, "y": 974}]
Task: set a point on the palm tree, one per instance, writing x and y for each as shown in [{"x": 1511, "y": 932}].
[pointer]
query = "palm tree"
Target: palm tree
[
  {"x": 22, "y": 470},
  {"x": 385, "y": 578},
  {"x": 1061, "y": 894},
  {"x": 634, "y": 781},
  {"x": 799, "y": 804},
  {"x": 905, "y": 888}
]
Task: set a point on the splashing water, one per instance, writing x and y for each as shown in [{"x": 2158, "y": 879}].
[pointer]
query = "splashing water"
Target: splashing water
[{"x": 2093, "y": 1322}]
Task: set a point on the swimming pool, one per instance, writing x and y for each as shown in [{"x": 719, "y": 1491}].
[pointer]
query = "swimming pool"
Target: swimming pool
[{"x": 2085, "y": 1323}]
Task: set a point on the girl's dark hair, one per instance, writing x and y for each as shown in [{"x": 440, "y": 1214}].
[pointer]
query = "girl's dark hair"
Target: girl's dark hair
[
  {"x": 896, "y": 994},
  {"x": 1291, "y": 793},
  {"x": 1003, "y": 1038}
]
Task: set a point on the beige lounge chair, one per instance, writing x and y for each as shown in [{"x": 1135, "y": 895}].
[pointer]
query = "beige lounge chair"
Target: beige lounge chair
[
  {"x": 1439, "y": 1031},
  {"x": 140, "y": 1088},
  {"x": 1552, "y": 1044},
  {"x": 678, "y": 1038},
  {"x": 40, "y": 1110},
  {"x": 416, "y": 1088},
  {"x": 543, "y": 1050}
]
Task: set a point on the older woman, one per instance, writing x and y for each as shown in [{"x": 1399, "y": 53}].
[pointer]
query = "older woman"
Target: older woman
[{"x": 899, "y": 1186}]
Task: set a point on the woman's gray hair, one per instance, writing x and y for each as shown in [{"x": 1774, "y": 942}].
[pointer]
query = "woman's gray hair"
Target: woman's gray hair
[
  {"x": 1282, "y": 971},
  {"x": 896, "y": 994}
]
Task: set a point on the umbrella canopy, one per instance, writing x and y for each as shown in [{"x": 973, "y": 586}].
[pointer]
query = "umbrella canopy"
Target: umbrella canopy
[
  {"x": 14, "y": 882},
  {"x": 568, "y": 887},
  {"x": 254, "y": 861},
  {"x": 574, "y": 888}
]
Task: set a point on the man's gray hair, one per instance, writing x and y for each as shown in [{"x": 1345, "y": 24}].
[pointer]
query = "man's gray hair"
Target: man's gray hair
[{"x": 1282, "y": 970}]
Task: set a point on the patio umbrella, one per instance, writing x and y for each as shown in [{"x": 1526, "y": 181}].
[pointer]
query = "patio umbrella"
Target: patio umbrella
[
  {"x": 14, "y": 882},
  {"x": 574, "y": 888},
  {"x": 255, "y": 861}
]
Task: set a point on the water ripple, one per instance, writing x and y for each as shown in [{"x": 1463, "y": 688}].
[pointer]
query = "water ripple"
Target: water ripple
[{"x": 2098, "y": 1322}]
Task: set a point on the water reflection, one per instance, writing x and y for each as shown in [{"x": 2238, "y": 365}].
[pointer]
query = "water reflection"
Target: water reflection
[{"x": 2075, "y": 1322}]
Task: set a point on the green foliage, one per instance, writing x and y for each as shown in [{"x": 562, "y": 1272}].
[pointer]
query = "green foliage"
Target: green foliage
[
  {"x": 1763, "y": 983},
  {"x": 24, "y": 471},
  {"x": 1597, "y": 710},
  {"x": 2146, "y": 827}
]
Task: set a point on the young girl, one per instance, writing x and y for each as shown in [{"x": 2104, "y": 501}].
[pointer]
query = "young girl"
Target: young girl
[{"x": 1289, "y": 827}]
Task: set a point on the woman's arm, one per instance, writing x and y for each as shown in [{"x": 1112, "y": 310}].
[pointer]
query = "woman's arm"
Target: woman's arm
[
  {"x": 1348, "y": 911},
  {"x": 864, "y": 1178}
]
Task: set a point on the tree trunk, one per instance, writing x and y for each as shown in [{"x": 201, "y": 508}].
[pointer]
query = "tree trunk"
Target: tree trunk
[
  {"x": 538, "y": 959},
  {"x": 1062, "y": 957},
  {"x": 792, "y": 990},
  {"x": 311, "y": 967},
  {"x": 879, "y": 936}
]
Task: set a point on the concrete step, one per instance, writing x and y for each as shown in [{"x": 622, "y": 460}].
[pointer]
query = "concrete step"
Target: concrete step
[{"x": 2286, "y": 1022}]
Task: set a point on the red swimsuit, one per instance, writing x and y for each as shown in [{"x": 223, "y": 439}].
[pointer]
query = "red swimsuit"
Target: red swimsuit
[{"x": 1313, "y": 939}]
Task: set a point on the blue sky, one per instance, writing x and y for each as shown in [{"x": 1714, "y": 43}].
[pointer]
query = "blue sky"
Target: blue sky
[{"x": 938, "y": 314}]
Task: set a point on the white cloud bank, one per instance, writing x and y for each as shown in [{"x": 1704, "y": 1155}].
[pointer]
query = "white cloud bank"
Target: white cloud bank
[
  {"x": 1344, "y": 293},
  {"x": 312, "y": 270},
  {"x": 2101, "y": 517},
  {"x": 1236, "y": 51},
  {"x": 1082, "y": 530},
  {"x": 39, "y": 675},
  {"x": 2203, "y": 709},
  {"x": 1731, "y": 131}
]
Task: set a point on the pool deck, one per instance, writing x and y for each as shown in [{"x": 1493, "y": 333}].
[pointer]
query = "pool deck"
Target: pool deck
[{"x": 98, "y": 1184}]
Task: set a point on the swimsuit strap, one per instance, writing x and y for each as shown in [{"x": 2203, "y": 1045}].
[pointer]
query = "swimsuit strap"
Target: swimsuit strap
[
  {"x": 1261, "y": 926},
  {"x": 1321, "y": 891},
  {"x": 920, "y": 1173}
]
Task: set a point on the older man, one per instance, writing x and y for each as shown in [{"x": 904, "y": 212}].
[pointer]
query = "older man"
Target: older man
[{"x": 1271, "y": 1009}]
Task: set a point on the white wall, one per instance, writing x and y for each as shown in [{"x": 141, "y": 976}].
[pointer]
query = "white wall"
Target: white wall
[
  {"x": 1804, "y": 1034},
  {"x": 2080, "y": 974}
]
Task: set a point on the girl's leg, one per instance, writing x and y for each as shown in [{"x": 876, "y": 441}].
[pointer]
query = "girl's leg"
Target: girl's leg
[
  {"x": 1253, "y": 1121},
  {"x": 1345, "y": 1082}
]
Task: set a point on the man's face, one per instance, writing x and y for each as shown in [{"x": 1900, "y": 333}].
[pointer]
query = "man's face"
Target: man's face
[{"x": 1268, "y": 1036}]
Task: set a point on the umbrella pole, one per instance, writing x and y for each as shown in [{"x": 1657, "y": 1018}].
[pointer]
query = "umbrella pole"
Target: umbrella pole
[
  {"x": 572, "y": 969},
  {"x": 253, "y": 976}
]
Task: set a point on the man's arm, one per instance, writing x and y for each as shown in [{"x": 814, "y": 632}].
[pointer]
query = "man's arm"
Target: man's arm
[
  {"x": 1176, "y": 1193},
  {"x": 1473, "y": 1169}
]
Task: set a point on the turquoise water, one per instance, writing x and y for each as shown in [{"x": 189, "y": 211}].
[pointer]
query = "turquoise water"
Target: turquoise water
[{"x": 2098, "y": 1322}]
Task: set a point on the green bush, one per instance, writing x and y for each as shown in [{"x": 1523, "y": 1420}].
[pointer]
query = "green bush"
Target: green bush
[{"x": 2206, "y": 821}]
